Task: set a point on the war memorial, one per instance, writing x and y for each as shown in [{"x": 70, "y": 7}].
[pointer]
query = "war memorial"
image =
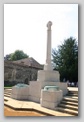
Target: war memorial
[{"x": 47, "y": 92}]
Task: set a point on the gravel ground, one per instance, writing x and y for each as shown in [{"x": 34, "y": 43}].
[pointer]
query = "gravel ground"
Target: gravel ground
[{"x": 10, "y": 112}]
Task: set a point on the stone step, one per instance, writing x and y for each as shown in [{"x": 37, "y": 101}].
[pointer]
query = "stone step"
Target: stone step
[
  {"x": 7, "y": 91},
  {"x": 70, "y": 94},
  {"x": 70, "y": 99},
  {"x": 6, "y": 95},
  {"x": 5, "y": 99},
  {"x": 69, "y": 111},
  {"x": 69, "y": 103},
  {"x": 73, "y": 92},
  {"x": 72, "y": 107}
]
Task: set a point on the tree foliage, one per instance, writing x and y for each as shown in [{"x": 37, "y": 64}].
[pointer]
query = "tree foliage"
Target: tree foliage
[
  {"x": 17, "y": 55},
  {"x": 65, "y": 59}
]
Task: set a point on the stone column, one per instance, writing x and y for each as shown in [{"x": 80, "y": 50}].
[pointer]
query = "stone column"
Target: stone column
[{"x": 48, "y": 65}]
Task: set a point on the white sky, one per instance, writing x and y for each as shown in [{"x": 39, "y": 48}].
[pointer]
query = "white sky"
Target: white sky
[{"x": 25, "y": 27}]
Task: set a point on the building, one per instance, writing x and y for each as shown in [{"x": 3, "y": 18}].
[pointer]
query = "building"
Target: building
[{"x": 19, "y": 71}]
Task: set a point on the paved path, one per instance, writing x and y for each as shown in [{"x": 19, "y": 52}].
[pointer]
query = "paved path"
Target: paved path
[{"x": 28, "y": 105}]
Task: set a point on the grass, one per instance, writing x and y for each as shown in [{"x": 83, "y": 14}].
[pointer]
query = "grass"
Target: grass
[{"x": 7, "y": 87}]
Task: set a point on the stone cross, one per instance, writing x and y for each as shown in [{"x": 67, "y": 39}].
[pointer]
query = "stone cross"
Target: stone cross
[
  {"x": 48, "y": 65},
  {"x": 49, "y": 25}
]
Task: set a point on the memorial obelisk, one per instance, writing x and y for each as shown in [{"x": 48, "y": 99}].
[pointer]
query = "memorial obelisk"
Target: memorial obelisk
[
  {"x": 48, "y": 74},
  {"x": 48, "y": 65}
]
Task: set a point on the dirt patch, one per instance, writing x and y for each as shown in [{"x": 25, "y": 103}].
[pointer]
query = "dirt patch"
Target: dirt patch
[{"x": 10, "y": 112}]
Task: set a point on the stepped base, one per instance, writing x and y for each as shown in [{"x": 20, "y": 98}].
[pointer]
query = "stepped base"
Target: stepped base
[
  {"x": 69, "y": 111},
  {"x": 69, "y": 104}
]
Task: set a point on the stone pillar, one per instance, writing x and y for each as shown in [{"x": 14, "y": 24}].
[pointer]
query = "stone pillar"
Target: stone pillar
[{"x": 48, "y": 65}]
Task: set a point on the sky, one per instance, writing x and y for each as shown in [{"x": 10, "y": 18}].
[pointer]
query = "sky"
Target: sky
[{"x": 25, "y": 27}]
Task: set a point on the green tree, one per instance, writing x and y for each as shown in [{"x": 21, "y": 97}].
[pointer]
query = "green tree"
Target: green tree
[
  {"x": 17, "y": 55},
  {"x": 65, "y": 59}
]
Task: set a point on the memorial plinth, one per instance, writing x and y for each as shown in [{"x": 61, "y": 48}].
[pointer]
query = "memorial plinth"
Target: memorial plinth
[
  {"x": 51, "y": 96},
  {"x": 20, "y": 92}
]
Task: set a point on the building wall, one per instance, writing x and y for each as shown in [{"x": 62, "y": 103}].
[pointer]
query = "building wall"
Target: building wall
[{"x": 14, "y": 73}]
